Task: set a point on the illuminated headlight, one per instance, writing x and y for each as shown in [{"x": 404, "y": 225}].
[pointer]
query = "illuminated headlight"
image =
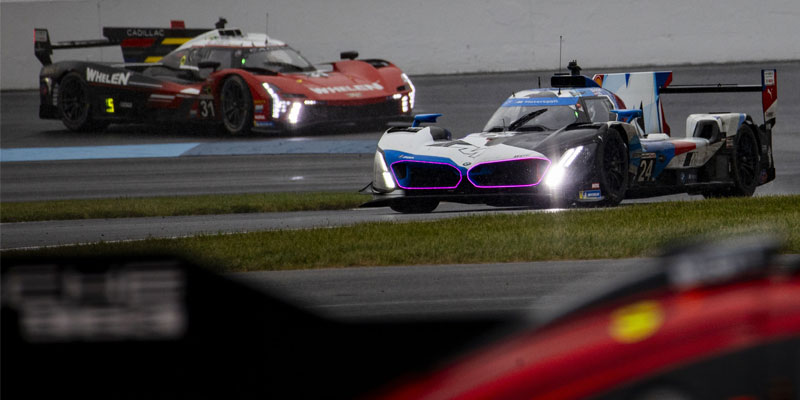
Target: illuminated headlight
[
  {"x": 294, "y": 112},
  {"x": 556, "y": 174},
  {"x": 397, "y": 96},
  {"x": 382, "y": 179},
  {"x": 309, "y": 102},
  {"x": 411, "y": 94},
  {"x": 404, "y": 104},
  {"x": 276, "y": 99}
]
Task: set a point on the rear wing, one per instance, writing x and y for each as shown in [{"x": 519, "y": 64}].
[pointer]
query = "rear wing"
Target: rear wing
[
  {"x": 138, "y": 44},
  {"x": 643, "y": 90},
  {"x": 768, "y": 89}
]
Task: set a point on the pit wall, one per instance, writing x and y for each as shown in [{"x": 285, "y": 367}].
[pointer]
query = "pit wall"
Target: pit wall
[{"x": 435, "y": 36}]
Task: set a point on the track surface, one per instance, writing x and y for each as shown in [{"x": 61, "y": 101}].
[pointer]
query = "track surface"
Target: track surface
[{"x": 466, "y": 100}]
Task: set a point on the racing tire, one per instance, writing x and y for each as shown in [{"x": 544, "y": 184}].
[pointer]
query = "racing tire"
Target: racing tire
[
  {"x": 74, "y": 105},
  {"x": 744, "y": 165},
  {"x": 423, "y": 206},
  {"x": 612, "y": 169},
  {"x": 236, "y": 105}
]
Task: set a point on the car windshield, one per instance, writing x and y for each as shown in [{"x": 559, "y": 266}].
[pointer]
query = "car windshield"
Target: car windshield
[
  {"x": 555, "y": 117},
  {"x": 278, "y": 59}
]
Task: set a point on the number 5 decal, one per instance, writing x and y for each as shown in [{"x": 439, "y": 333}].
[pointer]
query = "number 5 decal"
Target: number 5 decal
[{"x": 206, "y": 108}]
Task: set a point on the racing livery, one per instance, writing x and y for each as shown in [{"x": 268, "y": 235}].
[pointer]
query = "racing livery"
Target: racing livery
[
  {"x": 713, "y": 320},
  {"x": 584, "y": 140},
  {"x": 219, "y": 76}
]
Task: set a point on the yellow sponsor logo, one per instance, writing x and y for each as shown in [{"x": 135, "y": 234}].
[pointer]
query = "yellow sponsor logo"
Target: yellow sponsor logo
[
  {"x": 636, "y": 322},
  {"x": 153, "y": 59},
  {"x": 175, "y": 40}
]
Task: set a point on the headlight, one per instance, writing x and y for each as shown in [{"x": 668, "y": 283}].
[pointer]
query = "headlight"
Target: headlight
[
  {"x": 294, "y": 112},
  {"x": 272, "y": 91},
  {"x": 412, "y": 92},
  {"x": 556, "y": 174},
  {"x": 382, "y": 179}
]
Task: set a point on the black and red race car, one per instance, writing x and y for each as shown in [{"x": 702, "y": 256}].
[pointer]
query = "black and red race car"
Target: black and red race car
[{"x": 216, "y": 76}]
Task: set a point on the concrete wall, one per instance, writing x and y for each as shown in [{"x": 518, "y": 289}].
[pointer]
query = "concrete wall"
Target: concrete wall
[{"x": 436, "y": 36}]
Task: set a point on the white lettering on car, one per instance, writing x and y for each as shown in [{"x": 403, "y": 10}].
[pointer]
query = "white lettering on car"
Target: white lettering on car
[
  {"x": 347, "y": 88},
  {"x": 117, "y": 78}
]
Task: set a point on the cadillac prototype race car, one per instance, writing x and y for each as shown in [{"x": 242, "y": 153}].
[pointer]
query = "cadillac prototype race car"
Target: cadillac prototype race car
[
  {"x": 584, "y": 140},
  {"x": 220, "y": 76}
]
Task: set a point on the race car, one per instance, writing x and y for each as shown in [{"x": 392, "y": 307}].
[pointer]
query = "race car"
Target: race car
[
  {"x": 582, "y": 141},
  {"x": 709, "y": 320},
  {"x": 220, "y": 76}
]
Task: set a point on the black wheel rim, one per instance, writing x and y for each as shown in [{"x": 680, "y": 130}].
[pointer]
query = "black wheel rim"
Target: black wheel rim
[
  {"x": 747, "y": 159},
  {"x": 73, "y": 101},
  {"x": 233, "y": 104},
  {"x": 614, "y": 165}
]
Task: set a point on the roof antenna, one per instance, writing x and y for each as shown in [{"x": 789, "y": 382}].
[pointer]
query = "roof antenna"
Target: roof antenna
[
  {"x": 560, "y": 40},
  {"x": 266, "y": 25}
]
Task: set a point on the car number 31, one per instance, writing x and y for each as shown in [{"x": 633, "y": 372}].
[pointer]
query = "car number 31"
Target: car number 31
[{"x": 206, "y": 108}]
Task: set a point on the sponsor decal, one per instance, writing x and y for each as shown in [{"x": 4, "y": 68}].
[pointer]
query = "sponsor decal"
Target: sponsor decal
[
  {"x": 347, "y": 88},
  {"x": 595, "y": 186},
  {"x": 117, "y": 78},
  {"x": 636, "y": 322},
  {"x": 589, "y": 195},
  {"x": 769, "y": 78},
  {"x": 405, "y": 157},
  {"x": 647, "y": 156},
  {"x": 354, "y": 94},
  {"x": 144, "y": 32}
]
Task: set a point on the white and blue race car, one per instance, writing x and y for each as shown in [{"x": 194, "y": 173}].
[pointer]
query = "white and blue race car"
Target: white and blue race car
[{"x": 583, "y": 141}]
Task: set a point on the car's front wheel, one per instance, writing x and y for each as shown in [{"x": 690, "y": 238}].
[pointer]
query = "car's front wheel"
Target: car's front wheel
[
  {"x": 237, "y": 106},
  {"x": 612, "y": 169}
]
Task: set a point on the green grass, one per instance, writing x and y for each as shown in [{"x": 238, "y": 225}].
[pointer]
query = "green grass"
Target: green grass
[
  {"x": 177, "y": 205},
  {"x": 627, "y": 231}
]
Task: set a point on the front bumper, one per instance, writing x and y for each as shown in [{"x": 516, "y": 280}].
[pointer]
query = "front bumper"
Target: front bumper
[{"x": 306, "y": 114}]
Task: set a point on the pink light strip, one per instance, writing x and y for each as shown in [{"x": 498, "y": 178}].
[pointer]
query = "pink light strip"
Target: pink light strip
[
  {"x": 460, "y": 177},
  {"x": 509, "y": 160}
]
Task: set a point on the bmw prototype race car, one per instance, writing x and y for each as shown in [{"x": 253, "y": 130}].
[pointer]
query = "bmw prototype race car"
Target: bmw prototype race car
[
  {"x": 222, "y": 77},
  {"x": 584, "y": 140}
]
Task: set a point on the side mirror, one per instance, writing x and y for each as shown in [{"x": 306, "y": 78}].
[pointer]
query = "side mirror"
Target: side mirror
[
  {"x": 209, "y": 64},
  {"x": 348, "y": 55}
]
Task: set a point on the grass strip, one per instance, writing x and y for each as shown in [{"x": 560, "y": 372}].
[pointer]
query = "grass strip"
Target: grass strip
[
  {"x": 131, "y": 207},
  {"x": 628, "y": 231}
]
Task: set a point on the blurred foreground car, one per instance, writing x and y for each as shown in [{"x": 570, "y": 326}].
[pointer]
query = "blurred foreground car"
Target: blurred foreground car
[
  {"x": 221, "y": 77},
  {"x": 582, "y": 141},
  {"x": 711, "y": 321}
]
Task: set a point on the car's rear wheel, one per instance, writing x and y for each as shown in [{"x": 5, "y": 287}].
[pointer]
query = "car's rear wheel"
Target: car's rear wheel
[
  {"x": 237, "y": 106},
  {"x": 416, "y": 206},
  {"x": 745, "y": 162},
  {"x": 75, "y": 106},
  {"x": 612, "y": 169},
  {"x": 744, "y": 165}
]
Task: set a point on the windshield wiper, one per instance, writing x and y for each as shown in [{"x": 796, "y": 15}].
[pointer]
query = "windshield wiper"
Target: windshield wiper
[
  {"x": 525, "y": 118},
  {"x": 259, "y": 70},
  {"x": 287, "y": 65}
]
